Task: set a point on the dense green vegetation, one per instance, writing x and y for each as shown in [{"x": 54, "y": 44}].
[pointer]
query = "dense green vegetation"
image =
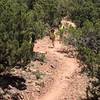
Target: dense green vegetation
[
  {"x": 87, "y": 35},
  {"x": 15, "y": 33},
  {"x": 23, "y": 21},
  {"x": 87, "y": 39}
]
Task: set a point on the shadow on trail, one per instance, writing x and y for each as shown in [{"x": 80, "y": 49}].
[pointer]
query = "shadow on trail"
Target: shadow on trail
[
  {"x": 9, "y": 85},
  {"x": 14, "y": 81}
]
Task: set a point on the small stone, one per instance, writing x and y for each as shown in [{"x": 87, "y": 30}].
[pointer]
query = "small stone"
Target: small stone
[
  {"x": 1, "y": 91},
  {"x": 29, "y": 81}
]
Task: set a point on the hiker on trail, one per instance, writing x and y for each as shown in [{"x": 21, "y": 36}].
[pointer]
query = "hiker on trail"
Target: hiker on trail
[
  {"x": 65, "y": 25},
  {"x": 61, "y": 32},
  {"x": 52, "y": 36}
]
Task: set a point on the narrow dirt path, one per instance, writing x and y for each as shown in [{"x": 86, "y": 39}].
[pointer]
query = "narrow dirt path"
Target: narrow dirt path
[{"x": 64, "y": 69}]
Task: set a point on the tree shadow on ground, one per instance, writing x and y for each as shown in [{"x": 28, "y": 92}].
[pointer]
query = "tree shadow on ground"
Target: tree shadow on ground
[{"x": 14, "y": 81}]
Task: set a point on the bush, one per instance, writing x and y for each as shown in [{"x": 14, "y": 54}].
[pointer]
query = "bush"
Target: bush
[
  {"x": 87, "y": 39},
  {"x": 15, "y": 33},
  {"x": 21, "y": 23}
]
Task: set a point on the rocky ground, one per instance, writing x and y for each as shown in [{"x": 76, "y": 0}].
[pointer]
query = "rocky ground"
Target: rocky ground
[{"x": 57, "y": 76}]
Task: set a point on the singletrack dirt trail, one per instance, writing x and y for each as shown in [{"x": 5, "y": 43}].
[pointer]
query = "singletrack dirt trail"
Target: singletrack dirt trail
[{"x": 65, "y": 69}]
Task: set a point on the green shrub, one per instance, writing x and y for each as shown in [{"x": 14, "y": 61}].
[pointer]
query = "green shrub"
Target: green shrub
[
  {"x": 38, "y": 75},
  {"x": 15, "y": 33},
  {"x": 87, "y": 39}
]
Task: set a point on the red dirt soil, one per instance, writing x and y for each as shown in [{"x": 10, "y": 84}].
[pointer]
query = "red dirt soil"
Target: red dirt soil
[{"x": 66, "y": 83}]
